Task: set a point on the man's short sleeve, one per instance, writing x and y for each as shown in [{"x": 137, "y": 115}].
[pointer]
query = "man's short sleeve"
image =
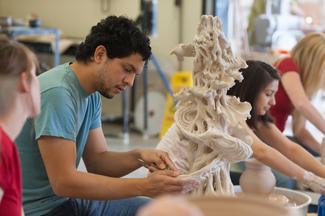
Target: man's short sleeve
[
  {"x": 97, "y": 105},
  {"x": 58, "y": 115}
]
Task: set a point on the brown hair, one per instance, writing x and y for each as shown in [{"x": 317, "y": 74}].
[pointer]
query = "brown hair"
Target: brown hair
[
  {"x": 15, "y": 58},
  {"x": 256, "y": 76}
]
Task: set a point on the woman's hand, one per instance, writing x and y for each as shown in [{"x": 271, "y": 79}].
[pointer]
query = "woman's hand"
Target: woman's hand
[{"x": 314, "y": 182}]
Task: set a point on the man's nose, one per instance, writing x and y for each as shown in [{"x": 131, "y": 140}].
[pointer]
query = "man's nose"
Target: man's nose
[{"x": 129, "y": 80}]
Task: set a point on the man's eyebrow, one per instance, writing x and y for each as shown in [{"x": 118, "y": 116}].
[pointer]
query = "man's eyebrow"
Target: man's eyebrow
[{"x": 130, "y": 65}]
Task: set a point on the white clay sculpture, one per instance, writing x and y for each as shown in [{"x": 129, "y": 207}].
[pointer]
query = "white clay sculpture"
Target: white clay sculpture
[{"x": 209, "y": 134}]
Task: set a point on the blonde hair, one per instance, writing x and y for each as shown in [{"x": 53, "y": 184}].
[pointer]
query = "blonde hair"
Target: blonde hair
[
  {"x": 15, "y": 58},
  {"x": 309, "y": 55}
]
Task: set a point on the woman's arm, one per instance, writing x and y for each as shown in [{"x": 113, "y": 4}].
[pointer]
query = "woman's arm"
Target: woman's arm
[
  {"x": 303, "y": 135},
  {"x": 275, "y": 159},
  {"x": 270, "y": 134},
  {"x": 293, "y": 86}
]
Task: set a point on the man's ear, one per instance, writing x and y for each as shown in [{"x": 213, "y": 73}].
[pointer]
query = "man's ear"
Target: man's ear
[
  {"x": 100, "y": 54},
  {"x": 24, "y": 82}
]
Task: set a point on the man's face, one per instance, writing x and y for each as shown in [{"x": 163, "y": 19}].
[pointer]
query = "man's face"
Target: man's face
[{"x": 116, "y": 74}]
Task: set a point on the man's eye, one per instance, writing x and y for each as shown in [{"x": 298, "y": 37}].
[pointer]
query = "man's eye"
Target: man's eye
[{"x": 128, "y": 70}]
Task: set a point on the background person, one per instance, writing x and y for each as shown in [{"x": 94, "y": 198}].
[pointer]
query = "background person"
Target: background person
[
  {"x": 270, "y": 146},
  {"x": 170, "y": 205},
  {"x": 19, "y": 99},
  {"x": 302, "y": 75}
]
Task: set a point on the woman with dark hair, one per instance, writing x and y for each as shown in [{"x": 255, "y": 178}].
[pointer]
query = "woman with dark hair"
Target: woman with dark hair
[
  {"x": 19, "y": 100},
  {"x": 257, "y": 76},
  {"x": 258, "y": 87}
]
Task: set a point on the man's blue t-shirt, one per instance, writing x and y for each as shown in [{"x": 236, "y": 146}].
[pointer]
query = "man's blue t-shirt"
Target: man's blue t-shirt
[{"x": 67, "y": 111}]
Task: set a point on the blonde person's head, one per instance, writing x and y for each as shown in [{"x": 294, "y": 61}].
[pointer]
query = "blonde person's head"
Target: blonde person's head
[
  {"x": 15, "y": 59},
  {"x": 309, "y": 55}
]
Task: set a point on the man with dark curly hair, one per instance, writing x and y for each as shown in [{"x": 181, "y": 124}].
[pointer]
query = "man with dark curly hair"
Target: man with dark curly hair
[{"x": 69, "y": 128}]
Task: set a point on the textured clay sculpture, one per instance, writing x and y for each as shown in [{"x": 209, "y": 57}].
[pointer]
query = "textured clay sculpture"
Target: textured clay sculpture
[{"x": 208, "y": 134}]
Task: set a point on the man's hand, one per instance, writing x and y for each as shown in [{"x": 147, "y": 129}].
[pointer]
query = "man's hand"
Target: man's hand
[
  {"x": 155, "y": 160},
  {"x": 164, "y": 181}
]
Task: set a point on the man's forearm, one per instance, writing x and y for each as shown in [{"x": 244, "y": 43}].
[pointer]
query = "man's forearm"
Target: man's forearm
[
  {"x": 114, "y": 164},
  {"x": 97, "y": 187}
]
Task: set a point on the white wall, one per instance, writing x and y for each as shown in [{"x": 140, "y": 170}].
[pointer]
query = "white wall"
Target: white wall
[
  {"x": 191, "y": 17},
  {"x": 1, "y": 7},
  {"x": 75, "y": 17}
]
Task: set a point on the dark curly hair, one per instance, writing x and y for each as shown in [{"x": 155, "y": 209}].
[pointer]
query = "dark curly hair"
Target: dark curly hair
[
  {"x": 256, "y": 77},
  {"x": 120, "y": 36}
]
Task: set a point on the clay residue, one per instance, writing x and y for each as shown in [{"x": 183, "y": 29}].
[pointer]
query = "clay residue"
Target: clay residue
[{"x": 209, "y": 134}]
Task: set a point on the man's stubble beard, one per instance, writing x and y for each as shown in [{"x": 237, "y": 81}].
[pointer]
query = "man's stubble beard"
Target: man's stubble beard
[
  {"x": 102, "y": 89},
  {"x": 105, "y": 94}
]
